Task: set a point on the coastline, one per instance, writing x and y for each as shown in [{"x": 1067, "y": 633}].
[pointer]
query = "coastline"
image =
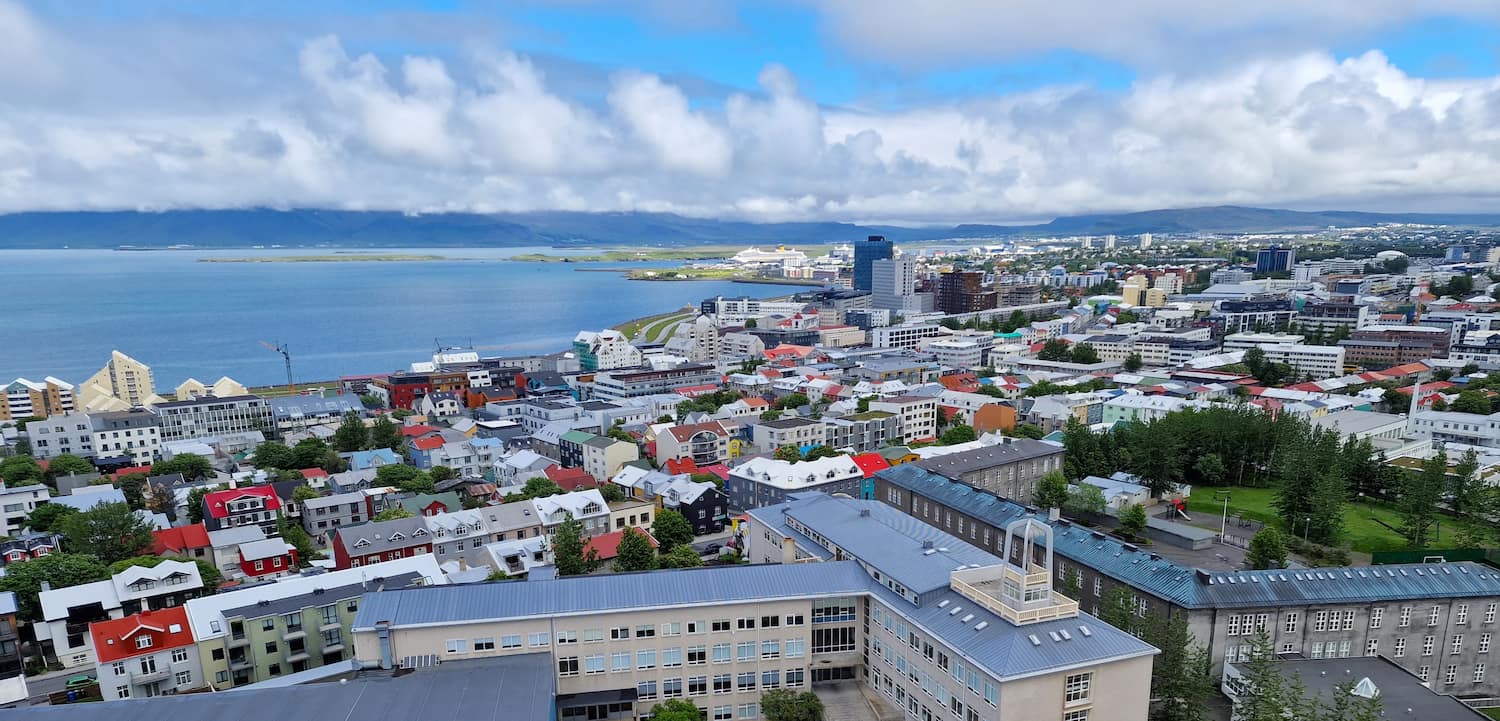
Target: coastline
[{"x": 352, "y": 258}]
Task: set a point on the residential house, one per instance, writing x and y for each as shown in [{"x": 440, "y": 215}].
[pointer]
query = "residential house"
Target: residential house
[
  {"x": 10, "y": 642},
  {"x": 702, "y": 503},
  {"x": 147, "y": 654},
  {"x": 431, "y": 504},
  {"x": 267, "y": 558},
  {"x": 135, "y": 434},
  {"x": 363, "y": 460},
  {"x": 603, "y": 456},
  {"x": 16, "y": 503},
  {"x": 441, "y": 405},
  {"x": 71, "y": 433},
  {"x": 765, "y": 481},
  {"x": 862, "y": 432},
  {"x": 323, "y": 515},
  {"x": 706, "y": 443},
  {"x": 67, "y": 612},
  {"x": 511, "y": 472},
  {"x": 226, "y": 544},
  {"x": 587, "y": 507},
  {"x": 631, "y": 512},
  {"x": 377, "y": 541},
  {"x": 190, "y": 542},
  {"x": 795, "y": 432},
  {"x": 606, "y": 546},
  {"x": 918, "y": 416},
  {"x": 251, "y": 505},
  {"x": 1011, "y": 469}
]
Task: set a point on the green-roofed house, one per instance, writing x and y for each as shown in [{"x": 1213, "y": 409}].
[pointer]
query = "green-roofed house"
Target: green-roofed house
[{"x": 431, "y": 504}]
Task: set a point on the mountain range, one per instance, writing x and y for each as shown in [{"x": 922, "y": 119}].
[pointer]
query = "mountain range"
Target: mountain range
[{"x": 310, "y": 227}]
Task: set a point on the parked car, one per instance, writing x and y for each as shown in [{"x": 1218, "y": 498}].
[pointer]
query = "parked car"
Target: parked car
[{"x": 712, "y": 549}]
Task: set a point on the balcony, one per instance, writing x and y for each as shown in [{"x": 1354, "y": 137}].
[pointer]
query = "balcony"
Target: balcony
[
  {"x": 293, "y": 633},
  {"x": 140, "y": 678},
  {"x": 240, "y": 664},
  {"x": 333, "y": 625},
  {"x": 986, "y": 587},
  {"x": 237, "y": 641},
  {"x": 299, "y": 656},
  {"x": 334, "y": 647}
]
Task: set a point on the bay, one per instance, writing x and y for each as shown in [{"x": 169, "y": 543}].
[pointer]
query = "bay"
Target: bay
[{"x": 63, "y": 311}]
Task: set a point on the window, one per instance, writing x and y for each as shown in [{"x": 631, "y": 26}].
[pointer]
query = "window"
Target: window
[
  {"x": 122, "y": 691},
  {"x": 722, "y": 683},
  {"x": 1320, "y": 621},
  {"x": 143, "y": 642},
  {"x": 770, "y": 649},
  {"x": 510, "y": 641},
  {"x": 671, "y": 629},
  {"x": 795, "y": 619},
  {"x": 770, "y": 621},
  {"x": 119, "y": 668},
  {"x": 646, "y": 631},
  {"x": 1427, "y": 642},
  {"x": 720, "y": 625},
  {"x": 796, "y": 677},
  {"x": 593, "y": 663},
  {"x": 1400, "y": 648},
  {"x": 221, "y": 677},
  {"x": 697, "y": 685},
  {"x": 722, "y": 713},
  {"x": 271, "y": 647},
  {"x": 671, "y": 657},
  {"x": 1349, "y": 620},
  {"x": 749, "y": 710},
  {"x": 746, "y": 624},
  {"x": 645, "y": 690},
  {"x": 179, "y": 655},
  {"x": 619, "y": 634},
  {"x": 1489, "y": 613},
  {"x": 183, "y": 678},
  {"x": 1458, "y": 644},
  {"x": 538, "y": 639},
  {"x": 457, "y": 645},
  {"x": 1375, "y": 615},
  {"x": 1424, "y": 672},
  {"x": 695, "y": 627},
  {"x": 563, "y": 637},
  {"x": 1079, "y": 715},
  {"x": 832, "y": 640},
  {"x": 1096, "y": 587},
  {"x": 796, "y": 648},
  {"x": 590, "y": 635},
  {"x": 567, "y": 666},
  {"x": 697, "y": 655},
  {"x": 1461, "y": 613},
  {"x": 1432, "y": 616},
  {"x": 268, "y": 624},
  {"x": 770, "y": 679},
  {"x": 1317, "y": 649},
  {"x": 1484, "y": 643},
  {"x": 1291, "y": 622},
  {"x": 1478, "y": 673},
  {"x": 991, "y": 694},
  {"x": 645, "y": 658},
  {"x": 671, "y": 688},
  {"x": 1450, "y": 674},
  {"x": 721, "y": 653},
  {"x": 1372, "y": 647},
  {"x": 745, "y": 680},
  {"x": 486, "y": 643},
  {"x": 619, "y": 661},
  {"x": 1405, "y": 617},
  {"x": 744, "y": 651}
]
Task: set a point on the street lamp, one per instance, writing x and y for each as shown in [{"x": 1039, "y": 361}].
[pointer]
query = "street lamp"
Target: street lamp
[
  {"x": 1306, "y": 521},
  {"x": 1224, "y": 522}
]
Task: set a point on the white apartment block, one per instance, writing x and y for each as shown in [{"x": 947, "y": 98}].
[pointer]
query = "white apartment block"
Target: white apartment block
[
  {"x": 903, "y": 336},
  {"x": 65, "y": 433},
  {"x": 1318, "y": 361},
  {"x": 918, "y": 415},
  {"x": 1450, "y": 427}
]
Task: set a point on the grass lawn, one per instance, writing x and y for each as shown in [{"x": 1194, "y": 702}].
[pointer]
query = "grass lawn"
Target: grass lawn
[
  {"x": 652, "y": 328},
  {"x": 1493, "y": 713},
  {"x": 1361, "y": 530}
]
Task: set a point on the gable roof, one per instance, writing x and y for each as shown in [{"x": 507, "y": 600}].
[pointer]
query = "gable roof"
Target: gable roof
[
  {"x": 217, "y": 501},
  {"x": 179, "y": 539},
  {"x": 870, "y": 463},
  {"x": 115, "y": 639},
  {"x": 607, "y": 546},
  {"x": 570, "y": 479}
]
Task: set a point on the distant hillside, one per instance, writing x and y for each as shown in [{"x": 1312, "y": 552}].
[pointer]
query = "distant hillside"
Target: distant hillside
[{"x": 244, "y": 228}]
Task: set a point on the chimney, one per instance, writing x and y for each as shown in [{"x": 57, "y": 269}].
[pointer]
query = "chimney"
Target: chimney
[
  {"x": 926, "y": 545},
  {"x": 46, "y": 586},
  {"x": 1054, "y": 513},
  {"x": 788, "y": 550},
  {"x": 383, "y": 632}
]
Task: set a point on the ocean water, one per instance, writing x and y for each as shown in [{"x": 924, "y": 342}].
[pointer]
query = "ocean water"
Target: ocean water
[{"x": 63, "y": 311}]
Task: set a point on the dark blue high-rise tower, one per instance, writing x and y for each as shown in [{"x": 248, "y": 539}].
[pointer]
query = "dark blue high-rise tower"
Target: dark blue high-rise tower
[{"x": 875, "y": 247}]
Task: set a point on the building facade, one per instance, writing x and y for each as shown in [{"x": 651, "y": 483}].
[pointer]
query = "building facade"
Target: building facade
[{"x": 213, "y": 416}]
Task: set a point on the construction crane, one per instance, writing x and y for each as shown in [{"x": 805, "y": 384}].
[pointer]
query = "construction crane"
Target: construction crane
[{"x": 286, "y": 355}]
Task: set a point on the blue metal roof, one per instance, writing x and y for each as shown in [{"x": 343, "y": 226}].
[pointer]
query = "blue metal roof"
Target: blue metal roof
[{"x": 1190, "y": 588}]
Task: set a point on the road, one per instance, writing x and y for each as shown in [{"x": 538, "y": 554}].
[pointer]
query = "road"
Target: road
[
  {"x": 38, "y": 688},
  {"x": 720, "y": 538}
]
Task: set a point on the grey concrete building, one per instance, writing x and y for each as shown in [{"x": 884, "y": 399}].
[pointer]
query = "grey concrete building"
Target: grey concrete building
[
  {"x": 214, "y": 416},
  {"x": 324, "y": 515},
  {"x": 1011, "y": 469},
  {"x": 66, "y": 433},
  {"x": 862, "y": 432}
]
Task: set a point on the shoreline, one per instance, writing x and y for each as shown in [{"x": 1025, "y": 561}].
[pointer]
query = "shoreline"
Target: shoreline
[{"x": 352, "y": 258}]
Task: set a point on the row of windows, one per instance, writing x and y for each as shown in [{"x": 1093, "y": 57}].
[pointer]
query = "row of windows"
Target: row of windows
[{"x": 720, "y": 683}]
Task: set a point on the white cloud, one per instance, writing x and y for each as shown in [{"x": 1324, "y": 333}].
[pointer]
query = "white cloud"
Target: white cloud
[{"x": 489, "y": 132}]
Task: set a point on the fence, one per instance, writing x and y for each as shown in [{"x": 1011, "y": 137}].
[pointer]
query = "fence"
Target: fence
[{"x": 1423, "y": 556}]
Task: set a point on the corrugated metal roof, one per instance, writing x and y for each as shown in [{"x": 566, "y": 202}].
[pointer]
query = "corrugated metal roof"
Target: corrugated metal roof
[{"x": 1189, "y": 588}]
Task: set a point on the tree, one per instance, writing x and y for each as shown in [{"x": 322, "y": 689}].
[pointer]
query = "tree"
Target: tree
[
  {"x": 817, "y": 452},
  {"x": 20, "y": 470},
  {"x": 133, "y": 485},
  {"x": 787, "y": 453},
  {"x": 1474, "y": 401},
  {"x": 406, "y": 478},
  {"x": 497, "y": 575},
  {"x": 1420, "y": 494},
  {"x": 67, "y": 464},
  {"x": 1051, "y": 491},
  {"x": 612, "y": 493},
  {"x": 384, "y": 434},
  {"x": 751, "y": 323},
  {"x": 770, "y": 415},
  {"x": 23, "y": 446},
  {"x": 634, "y": 552},
  {"x": 791, "y": 400},
  {"x": 1263, "y": 692},
  {"x": 567, "y": 550},
  {"x": 1084, "y": 353},
  {"x": 371, "y": 402},
  {"x": 352, "y": 434},
  {"x": 294, "y": 534},
  {"x": 392, "y": 513},
  {"x": 863, "y": 404},
  {"x": 1028, "y": 430},
  {"x": 676, "y": 709},
  {"x": 671, "y": 529},
  {"x": 273, "y": 454},
  {"x": 305, "y": 493},
  {"x": 1267, "y": 549},
  {"x": 957, "y": 433},
  {"x": 1210, "y": 469},
  {"x": 788, "y": 705},
  {"x": 191, "y": 465},
  {"x": 47, "y": 517},
  {"x": 540, "y": 487},
  {"x": 207, "y": 571},
  {"x": 1133, "y": 520},
  {"x": 1085, "y": 498},
  {"x": 1464, "y": 494},
  {"x": 1133, "y": 362},
  {"x": 442, "y": 473},
  {"x": 1055, "y": 350},
  {"x": 311, "y": 453},
  {"x": 1181, "y": 681},
  {"x": 680, "y": 557},
  {"x": 59, "y": 570},
  {"x": 108, "y": 532},
  {"x": 195, "y": 502}
]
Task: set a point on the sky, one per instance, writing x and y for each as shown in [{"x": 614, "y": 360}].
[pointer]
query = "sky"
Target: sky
[{"x": 873, "y": 111}]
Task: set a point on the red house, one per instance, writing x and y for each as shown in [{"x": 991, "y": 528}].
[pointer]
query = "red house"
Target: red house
[
  {"x": 607, "y": 545},
  {"x": 570, "y": 479},
  {"x": 378, "y": 541},
  {"x": 252, "y": 505},
  {"x": 146, "y": 654},
  {"x": 268, "y": 558},
  {"x": 182, "y": 542}
]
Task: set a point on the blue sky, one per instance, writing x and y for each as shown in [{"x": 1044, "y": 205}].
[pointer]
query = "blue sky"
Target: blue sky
[{"x": 871, "y": 110}]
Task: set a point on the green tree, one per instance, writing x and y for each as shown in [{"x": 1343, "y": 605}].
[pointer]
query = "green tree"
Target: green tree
[
  {"x": 20, "y": 470},
  {"x": 497, "y": 575},
  {"x": 671, "y": 529},
  {"x": 305, "y": 493},
  {"x": 1475, "y": 401},
  {"x": 957, "y": 433},
  {"x": 195, "y": 502},
  {"x": 207, "y": 571},
  {"x": 133, "y": 485},
  {"x": 676, "y": 709},
  {"x": 770, "y": 415},
  {"x": 817, "y": 452},
  {"x": 68, "y": 464},
  {"x": 352, "y": 434},
  {"x": 1051, "y": 491},
  {"x": 1466, "y": 486},
  {"x": 567, "y": 550},
  {"x": 1267, "y": 549},
  {"x": 384, "y": 434},
  {"x": 787, "y": 453},
  {"x": 274, "y": 454},
  {"x": 59, "y": 570},
  {"x": 294, "y": 534},
  {"x": 1084, "y": 353},
  {"x": 371, "y": 402},
  {"x": 634, "y": 552},
  {"x": 863, "y": 404},
  {"x": 406, "y": 478},
  {"x": 1210, "y": 469},
  {"x": 1181, "y": 679},
  {"x": 392, "y": 513},
  {"x": 1133, "y": 362},
  {"x": 191, "y": 465},
  {"x": 22, "y": 447},
  {"x": 612, "y": 493},
  {"x": 1055, "y": 349},
  {"x": 1133, "y": 520},
  {"x": 540, "y": 487},
  {"x": 47, "y": 517},
  {"x": 310, "y": 453},
  {"x": 442, "y": 473},
  {"x": 791, "y": 400},
  {"x": 108, "y": 532},
  {"x": 1028, "y": 430},
  {"x": 1263, "y": 692},
  {"x": 1085, "y": 498},
  {"x": 788, "y": 705},
  {"x": 680, "y": 557},
  {"x": 1420, "y": 494}
]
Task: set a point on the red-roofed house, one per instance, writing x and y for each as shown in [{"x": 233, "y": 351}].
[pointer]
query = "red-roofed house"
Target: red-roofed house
[
  {"x": 267, "y": 558},
  {"x": 963, "y": 382},
  {"x": 607, "y": 546},
  {"x": 870, "y": 463},
  {"x": 675, "y": 466},
  {"x": 705, "y": 443},
  {"x": 428, "y": 443},
  {"x": 718, "y": 469},
  {"x": 695, "y": 391},
  {"x": 151, "y": 653},
  {"x": 311, "y": 473},
  {"x": 570, "y": 479},
  {"x": 417, "y": 430},
  {"x": 252, "y": 505},
  {"x": 183, "y": 542},
  {"x": 129, "y": 471}
]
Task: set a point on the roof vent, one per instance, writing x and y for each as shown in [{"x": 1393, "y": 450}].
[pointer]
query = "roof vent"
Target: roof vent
[
  {"x": 1055, "y": 638},
  {"x": 1034, "y": 640},
  {"x": 864, "y": 513},
  {"x": 954, "y": 611},
  {"x": 967, "y": 618},
  {"x": 1086, "y": 631},
  {"x": 927, "y": 544},
  {"x": 981, "y": 625},
  {"x": 1064, "y": 633},
  {"x": 943, "y": 603}
]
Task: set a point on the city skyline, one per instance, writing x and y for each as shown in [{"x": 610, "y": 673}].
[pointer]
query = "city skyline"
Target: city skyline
[{"x": 865, "y": 112}]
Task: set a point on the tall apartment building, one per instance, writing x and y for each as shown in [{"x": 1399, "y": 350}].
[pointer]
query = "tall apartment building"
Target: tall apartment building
[
  {"x": 135, "y": 433},
  {"x": 122, "y": 383},
  {"x": 30, "y": 399},
  {"x": 874, "y": 248},
  {"x": 1424, "y": 617},
  {"x": 918, "y": 416},
  {"x": 894, "y": 287},
  {"x": 1011, "y": 469},
  {"x": 213, "y": 416},
  {"x": 887, "y": 610},
  {"x": 1275, "y": 259},
  {"x": 1259, "y": 315},
  {"x": 903, "y": 336},
  {"x": 604, "y": 350},
  {"x": 963, "y": 291},
  {"x": 1318, "y": 361},
  {"x": 1329, "y": 318}
]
